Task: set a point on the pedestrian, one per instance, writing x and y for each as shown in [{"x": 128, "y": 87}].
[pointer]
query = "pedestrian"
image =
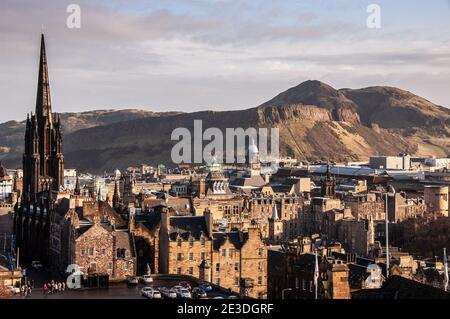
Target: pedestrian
[
  {"x": 59, "y": 286},
  {"x": 63, "y": 286},
  {"x": 45, "y": 289},
  {"x": 32, "y": 283}
]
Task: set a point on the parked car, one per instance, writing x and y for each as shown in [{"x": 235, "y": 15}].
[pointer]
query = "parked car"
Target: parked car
[
  {"x": 132, "y": 281},
  {"x": 218, "y": 297},
  {"x": 146, "y": 279},
  {"x": 232, "y": 297},
  {"x": 154, "y": 294},
  {"x": 145, "y": 291},
  {"x": 198, "y": 293},
  {"x": 206, "y": 287},
  {"x": 185, "y": 284},
  {"x": 169, "y": 293},
  {"x": 184, "y": 294},
  {"x": 14, "y": 290},
  {"x": 177, "y": 288},
  {"x": 36, "y": 264}
]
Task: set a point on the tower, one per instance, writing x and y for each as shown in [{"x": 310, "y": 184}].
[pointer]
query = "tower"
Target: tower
[
  {"x": 275, "y": 225},
  {"x": 253, "y": 159},
  {"x": 43, "y": 161},
  {"x": 328, "y": 184},
  {"x": 77, "y": 190},
  {"x": 116, "y": 197}
]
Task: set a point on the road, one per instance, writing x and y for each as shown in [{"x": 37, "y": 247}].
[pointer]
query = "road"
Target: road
[{"x": 115, "y": 290}]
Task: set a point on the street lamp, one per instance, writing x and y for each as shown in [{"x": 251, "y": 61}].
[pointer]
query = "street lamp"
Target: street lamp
[
  {"x": 283, "y": 291},
  {"x": 390, "y": 192}
]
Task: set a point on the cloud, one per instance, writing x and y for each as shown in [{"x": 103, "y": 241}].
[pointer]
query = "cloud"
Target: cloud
[{"x": 200, "y": 54}]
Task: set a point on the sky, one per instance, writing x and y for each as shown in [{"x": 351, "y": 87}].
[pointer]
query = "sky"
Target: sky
[{"x": 190, "y": 55}]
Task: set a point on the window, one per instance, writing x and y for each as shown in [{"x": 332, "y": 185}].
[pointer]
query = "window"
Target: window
[
  {"x": 125, "y": 266},
  {"x": 82, "y": 252},
  {"x": 191, "y": 256},
  {"x": 121, "y": 252},
  {"x": 93, "y": 267},
  {"x": 260, "y": 252},
  {"x": 231, "y": 252},
  {"x": 91, "y": 251},
  {"x": 236, "y": 266},
  {"x": 110, "y": 265},
  {"x": 236, "y": 281},
  {"x": 203, "y": 255},
  {"x": 178, "y": 271},
  {"x": 260, "y": 280},
  {"x": 202, "y": 241},
  {"x": 217, "y": 267},
  {"x": 103, "y": 251},
  {"x": 179, "y": 256},
  {"x": 224, "y": 252},
  {"x": 191, "y": 243},
  {"x": 260, "y": 266},
  {"x": 218, "y": 281},
  {"x": 179, "y": 243},
  {"x": 191, "y": 270}
]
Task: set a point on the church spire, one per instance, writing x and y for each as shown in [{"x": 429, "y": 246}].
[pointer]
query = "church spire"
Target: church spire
[
  {"x": 77, "y": 187},
  {"x": 275, "y": 212},
  {"x": 43, "y": 100},
  {"x": 116, "y": 197}
]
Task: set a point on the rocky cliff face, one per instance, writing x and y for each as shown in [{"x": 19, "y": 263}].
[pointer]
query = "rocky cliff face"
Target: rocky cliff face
[{"x": 315, "y": 120}]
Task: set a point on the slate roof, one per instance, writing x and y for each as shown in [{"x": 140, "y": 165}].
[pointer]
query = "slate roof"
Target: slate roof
[
  {"x": 397, "y": 287},
  {"x": 124, "y": 240},
  {"x": 236, "y": 238},
  {"x": 186, "y": 226}
]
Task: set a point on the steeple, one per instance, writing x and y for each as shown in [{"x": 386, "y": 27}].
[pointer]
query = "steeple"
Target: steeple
[
  {"x": 43, "y": 100},
  {"x": 99, "y": 196},
  {"x": 116, "y": 197},
  {"x": 275, "y": 212},
  {"x": 77, "y": 190}
]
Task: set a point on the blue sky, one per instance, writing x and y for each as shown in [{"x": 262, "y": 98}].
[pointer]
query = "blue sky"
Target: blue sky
[{"x": 217, "y": 54}]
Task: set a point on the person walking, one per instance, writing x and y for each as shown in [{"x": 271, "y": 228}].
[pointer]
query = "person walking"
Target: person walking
[
  {"x": 59, "y": 286},
  {"x": 63, "y": 286},
  {"x": 45, "y": 289}
]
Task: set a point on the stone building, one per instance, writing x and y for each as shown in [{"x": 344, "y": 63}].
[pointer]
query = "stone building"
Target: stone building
[
  {"x": 92, "y": 235},
  {"x": 235, "y": 260},
  {"x": 436, "y": 199}
]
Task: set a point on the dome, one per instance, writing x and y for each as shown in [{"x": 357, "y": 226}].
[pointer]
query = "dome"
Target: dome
[{"x": 252, "y": 148}]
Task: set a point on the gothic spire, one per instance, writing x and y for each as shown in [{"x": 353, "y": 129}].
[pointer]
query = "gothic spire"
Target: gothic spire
[
  {"x": 43, "y": 100},
  {"x": 275, "y": 212},
  {"x": 77, "y": 187},
  {"x": 116, "y": 197}
]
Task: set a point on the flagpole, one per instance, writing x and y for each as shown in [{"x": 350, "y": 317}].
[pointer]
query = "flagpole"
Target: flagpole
[
  {"x": 316, "y": 273},
  {"x": 446, "y": 270}
]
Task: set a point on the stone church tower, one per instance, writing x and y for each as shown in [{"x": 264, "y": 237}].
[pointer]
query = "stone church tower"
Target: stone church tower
[
  {"x": 43, "y": 173},
  {"x": 43, "y": 161}
]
